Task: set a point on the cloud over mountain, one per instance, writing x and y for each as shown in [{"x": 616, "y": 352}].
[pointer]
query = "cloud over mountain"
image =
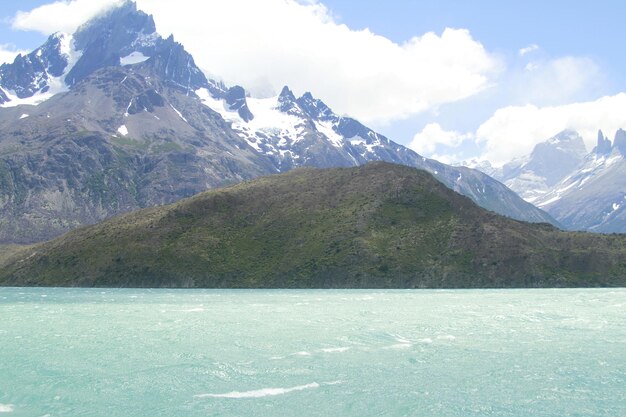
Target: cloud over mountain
[
  {"x": 264, "y": 45},
  {"x": 8, "y": 53},
  {"x": 514, "y": 131},
  {"x": 61, "y": 15}
]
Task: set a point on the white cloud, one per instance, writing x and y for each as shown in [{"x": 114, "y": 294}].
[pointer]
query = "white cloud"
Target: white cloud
[
  {"x": 62, "y": 15},
  {"x": 263, "y": 45},
  {"x": 556, "y": 81},
  {"x": 530, "y": 48},
  {"x": 8, "y": 53},
  {"x": 432, "y": 136},
  {"x": 513, "y": 131}
]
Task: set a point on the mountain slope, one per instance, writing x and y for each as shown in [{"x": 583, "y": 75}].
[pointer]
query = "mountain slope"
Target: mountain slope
[
  {"x": 115, "y": 143},
  {"x": 550, "y": 162},
  {"x": 295, "y": 132},
  {"x": 593, "y": 196},
  {"x": 378, "y": 225},
  {"x": 124, "y": 119}
]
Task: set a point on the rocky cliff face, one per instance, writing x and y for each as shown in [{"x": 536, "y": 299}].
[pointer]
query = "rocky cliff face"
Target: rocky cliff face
[
  {"x": 114, "y": 117},
  {"x": 115, "y": 143}
]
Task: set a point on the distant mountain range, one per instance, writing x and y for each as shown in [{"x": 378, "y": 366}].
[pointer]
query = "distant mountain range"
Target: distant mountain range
[
  {"x": 379, "y": 225},
  {"x": 114, "y": 117},
  {"x": 583, "y": 191}
]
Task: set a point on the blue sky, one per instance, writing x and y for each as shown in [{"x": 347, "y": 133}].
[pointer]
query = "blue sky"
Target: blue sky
[
  {"x": 563, "y": 27},
  {"x": 582, "y": 28},
  {"x": 573, "y": 66}
]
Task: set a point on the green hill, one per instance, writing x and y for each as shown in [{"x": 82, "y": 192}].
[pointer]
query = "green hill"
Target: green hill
[{"x": 378, "y": 225}]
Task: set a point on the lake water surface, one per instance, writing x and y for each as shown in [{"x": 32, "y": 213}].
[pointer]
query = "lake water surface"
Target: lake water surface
[{"x": 77, "y": 352}]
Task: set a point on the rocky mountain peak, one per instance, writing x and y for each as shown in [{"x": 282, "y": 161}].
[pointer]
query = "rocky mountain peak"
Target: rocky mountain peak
[
  {"x": 315, "y": 108},
  {"x": 567, "y": 141},
  {"x": 620, "y": 141},
  {"x": 119, "y": 26},
  {"x": 287, "y": 101},
  {"x": 604, "y": 145},
  {"x": 567, "y": 146},
  {"x": 138, "y": 119},
  {"x": 548, "y": 163},
  {"x": 105, "y": 39},
  {"x": 235, "y": 97},
  {"x": 173, "y": 63},
  {"x": 53, "y": 53},
  {"x": 35, "y": 72},
  {"x": 122, "y": 36}
]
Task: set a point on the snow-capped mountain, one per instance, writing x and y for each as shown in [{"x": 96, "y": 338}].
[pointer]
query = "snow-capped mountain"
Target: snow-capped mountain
[
  {"x": 122, "y": 37},
  {"x": 36, "y": 77},
  {"x": 581, "y": 191},
  {"x": 534, "y": 175},
  {"x": 593, "y": 196},
  {"x": 114, "y": 117},
  {"x": 304, "y": 131}
]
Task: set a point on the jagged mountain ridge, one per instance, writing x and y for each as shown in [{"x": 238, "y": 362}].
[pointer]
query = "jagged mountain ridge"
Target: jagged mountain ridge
[
  {"x": 593, "y": 196},
  {"x": 125, "y": 119},
  {"x": 304, "y": 131},
  {"x": 583, "y": 191},
  {"x": 549, "y": 162},
  {"x": 39, "y": 75},
  {"x": 122, "y": 36},
  {"x": 535, "y": 174}
]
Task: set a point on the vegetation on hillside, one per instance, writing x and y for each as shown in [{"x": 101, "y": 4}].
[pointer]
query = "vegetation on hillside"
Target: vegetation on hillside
[{"x": 378, "y": 226}]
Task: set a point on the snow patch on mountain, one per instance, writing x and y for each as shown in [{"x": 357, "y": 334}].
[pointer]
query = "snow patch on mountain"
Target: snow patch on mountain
[
  {"x": 592, "y": 196},
  {"x": 328, "y": 130},
  {"x": 146, "y": 40},
  {"x": 594, "y": 167},
  {"x": 179, "y": 113},
  {"x": 268, "y": 122},
  {"x": 134, "y": 58},
  {"x": 360, "y": 142}
]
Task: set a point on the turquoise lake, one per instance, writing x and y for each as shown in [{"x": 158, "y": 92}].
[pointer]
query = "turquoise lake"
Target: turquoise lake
[{"x": 101, "y": 352}]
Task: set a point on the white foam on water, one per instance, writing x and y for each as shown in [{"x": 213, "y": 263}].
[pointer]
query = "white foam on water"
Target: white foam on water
[
  {"x": 446, "y": 337},
  {"x": 264, "y": 392},
  {"x": 302, "y": 353},
  {"x": 333, "y": 382},
  {"x": 426, "y": 340},
  {"x": 6, "y": 408},
  {"x": 335, "y": 350},
  {"x": 399, "y": 346}
]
